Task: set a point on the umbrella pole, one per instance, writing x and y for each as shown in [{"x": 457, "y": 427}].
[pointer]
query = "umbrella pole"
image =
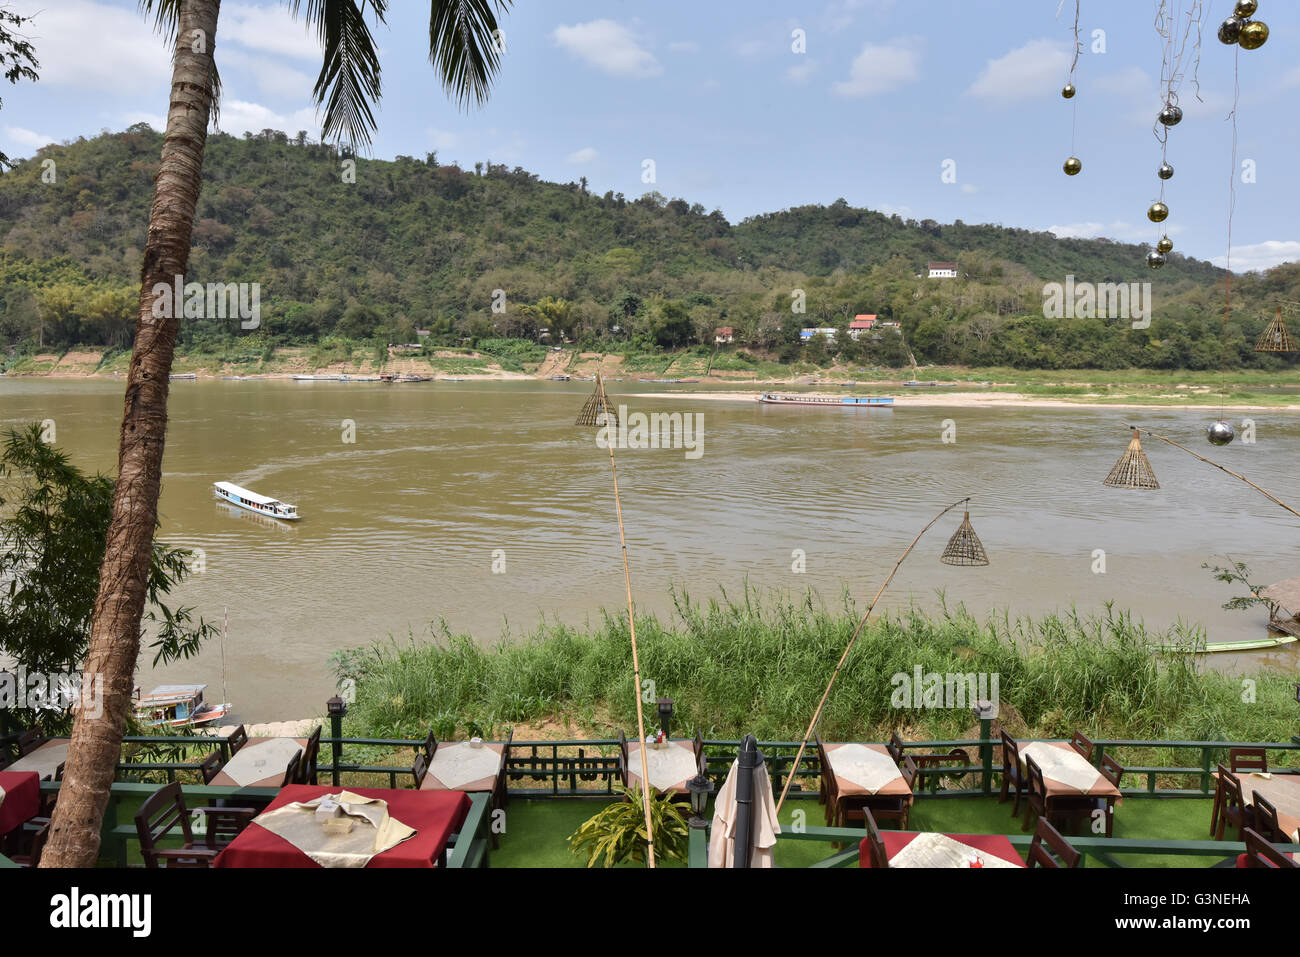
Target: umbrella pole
[
  {"x": 636, "y": 667},
  {"x": 1221, "y": 468},
  {"x": 746, "y": 762},
  {"x": 803, "y": 745}
]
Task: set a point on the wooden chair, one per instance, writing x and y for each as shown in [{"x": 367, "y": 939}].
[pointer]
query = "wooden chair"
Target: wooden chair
[
  {"x": 1012, "y": 777},
  {"x": 1081, "y": 744},
  {"x": 895, "y": 747},
  {"x": 875, "y": 843},
  {"x": 32, "y": 856},
  {"x": 291, "y": 770},
  {"x": 238, "y": 738},
  {"x": 164, "y": 812},
  {"x": 1035, "y": 792},
  {"x": 622, "y": 758},
  {"x": 1260, "y": 853},
  {"x": 1247, "y": 759},
  {"x": 828, "y": 790},
  {"x": 210, "y": 766},
  {"x": 30, "y": 740},
  {"x": 430, "y": 747},
  {"x": 1229, "y": 807},
  {"x": 956, "y": 757},
  {"x": 419, "y": 769},
  {"x": 1058, "y": 852},
  {"x": 1266, "y": 822},
  {"x": 307, "y": 766}
]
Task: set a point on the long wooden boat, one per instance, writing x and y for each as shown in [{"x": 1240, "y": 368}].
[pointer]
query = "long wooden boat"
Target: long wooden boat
[
  {"x": 177, "y": 706},
  {"x": 261, "y": 504},
  {"x": 1218, "y": 647},
  {"x": 849, "y": 401}
]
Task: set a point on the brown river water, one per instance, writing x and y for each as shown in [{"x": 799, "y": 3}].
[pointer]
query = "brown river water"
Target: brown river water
[{"x": 402, "y": 526}]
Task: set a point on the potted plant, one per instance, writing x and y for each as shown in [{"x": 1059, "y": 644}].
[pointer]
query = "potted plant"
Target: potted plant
[{"x": 617, "y": 833}]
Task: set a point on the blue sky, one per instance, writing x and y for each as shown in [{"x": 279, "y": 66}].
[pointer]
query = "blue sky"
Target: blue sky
[{"x": 734, "y": 118}]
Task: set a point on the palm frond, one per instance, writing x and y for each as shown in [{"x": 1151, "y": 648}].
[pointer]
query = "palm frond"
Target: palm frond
[
  {"x": 349, "y": 78},
  {"x": 465, "y": 47}
]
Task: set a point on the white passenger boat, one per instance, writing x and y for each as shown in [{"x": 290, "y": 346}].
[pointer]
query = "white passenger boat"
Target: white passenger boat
[{"x": 260, "y": 504}]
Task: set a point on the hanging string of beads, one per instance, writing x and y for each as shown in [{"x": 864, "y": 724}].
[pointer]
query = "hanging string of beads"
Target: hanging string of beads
[
  {"x": 1176, "y": 30},
  {"x": 1073, "y": 165}
]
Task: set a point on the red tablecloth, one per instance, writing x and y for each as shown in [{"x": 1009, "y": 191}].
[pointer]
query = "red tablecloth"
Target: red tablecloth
[
  {"x": 995, "y": 845},
  {"x": 435, "y": 815},
  {"x": 22, "y": 798}
]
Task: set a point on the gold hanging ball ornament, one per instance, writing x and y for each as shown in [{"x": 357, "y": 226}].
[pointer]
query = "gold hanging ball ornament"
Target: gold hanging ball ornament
[
  {"x": 1165, "y": 171},
  {"x": 1220, "y": 433},
  {"x": 1068, "y": 91},
  {"x": 1158, "y": 212},
  {"x": 1155, "y": 260},
  {"x": 1165, "y": 244},
  {"x": 1245, "y": 8},
  {"x": 1171, "y": 115},
  {"x": 1072, "y": 166},
  {"x": 1230, "y": 30},
  {"x": 1253, "y": 35}
]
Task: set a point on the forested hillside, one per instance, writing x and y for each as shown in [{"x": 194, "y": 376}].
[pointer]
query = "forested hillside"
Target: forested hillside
[{"x": 413, "y": 244}]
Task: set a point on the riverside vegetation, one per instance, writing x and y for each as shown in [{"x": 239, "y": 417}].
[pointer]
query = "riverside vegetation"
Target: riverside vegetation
[
  {"x": 636, "y": 277},
  {"x": 760, "y": 665}
]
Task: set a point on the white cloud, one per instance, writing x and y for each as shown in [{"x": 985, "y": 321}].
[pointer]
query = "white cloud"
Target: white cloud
[
  {"x": 1033, "y": 70},
  {"x": 1077, "y": 230},
  {"x": 444, "y": 139},
  {"x": 94, "y": 47},
  {"x": 881, "y": 68},
  {"x": 581, "y": 157},
  {"x": 1263, "y": 255},
  {"x": 969, "y": 188},
  {"x": 1141, "y": 232},
  {"x": 751, "y": 47},
  {"x": 1128, "y": 82},
  {"x": 16, "y": 134},
  {"x": 268, "y": 30},
  {"x": 273, "y": 77},
  {"x": 608, "y": 46},
  {"x": 156, "y": 121},
  {"x": 890, "y": 209},
  {"x": 801, "y": 73},
  {"x": 240, "y": 116}
]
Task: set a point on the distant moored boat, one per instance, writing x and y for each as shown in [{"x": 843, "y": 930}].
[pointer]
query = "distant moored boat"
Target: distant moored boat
[
  {"x": 260, "y": 504},
  {"x": 851, "y": 401}
]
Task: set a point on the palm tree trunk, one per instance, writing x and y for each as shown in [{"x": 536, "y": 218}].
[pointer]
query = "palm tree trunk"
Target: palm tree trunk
[{"x": 123, "y": 577}]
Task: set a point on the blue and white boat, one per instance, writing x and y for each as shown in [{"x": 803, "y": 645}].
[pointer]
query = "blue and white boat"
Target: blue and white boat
[
  {"x": 260, "y": 504},
  {"x": 851, "y": 401}
]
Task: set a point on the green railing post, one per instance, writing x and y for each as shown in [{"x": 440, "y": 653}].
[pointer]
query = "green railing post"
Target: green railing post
[
  {"x": 986, "y": 711},
  {"x": 699, "y": 848},
  {"x": 1205, "y": 770},
  {"x": 336, "y": 708}
]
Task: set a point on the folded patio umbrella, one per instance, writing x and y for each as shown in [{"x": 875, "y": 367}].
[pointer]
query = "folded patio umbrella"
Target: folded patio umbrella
[{"x": 722, "y": 842}]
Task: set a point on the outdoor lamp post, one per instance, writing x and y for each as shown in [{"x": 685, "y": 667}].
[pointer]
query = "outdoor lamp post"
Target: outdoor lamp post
[
  {"x": 700, "y": 788},
  {"x": 986, "y": 711},
  {"x": 336, "y": 708},
  {"x": 665, "y": 715}
]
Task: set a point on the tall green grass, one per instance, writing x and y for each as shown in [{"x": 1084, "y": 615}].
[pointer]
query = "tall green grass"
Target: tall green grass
[{"x": 760, "y": 665}]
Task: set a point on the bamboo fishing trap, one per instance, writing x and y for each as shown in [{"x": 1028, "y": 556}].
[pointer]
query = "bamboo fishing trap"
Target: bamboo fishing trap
[
  {"x": 1276, "y": 337},
  {"x": 597, "y": 410},
  {"x": 1132, "y": 470},
  {"x": 964, "y": 548}
]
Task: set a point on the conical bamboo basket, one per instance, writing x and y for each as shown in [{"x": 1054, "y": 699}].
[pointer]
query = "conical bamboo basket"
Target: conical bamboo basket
[
  {"x": 1132, "y": 470},
  {"x": 964, "y": 548},
  {"x": 597, "y": 404},
  {"x": 1276, "y": 337}
]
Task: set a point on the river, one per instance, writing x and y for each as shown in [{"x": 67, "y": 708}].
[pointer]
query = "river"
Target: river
[{"x": 403, "y": 525}]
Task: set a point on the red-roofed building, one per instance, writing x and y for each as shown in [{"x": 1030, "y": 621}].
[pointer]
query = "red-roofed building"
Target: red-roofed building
[
  {"x": 861, "y": 324},
  {"x": 943, "y": 270}
]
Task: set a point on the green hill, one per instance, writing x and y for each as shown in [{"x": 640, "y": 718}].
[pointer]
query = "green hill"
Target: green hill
[{"x": 414, "y": 244}]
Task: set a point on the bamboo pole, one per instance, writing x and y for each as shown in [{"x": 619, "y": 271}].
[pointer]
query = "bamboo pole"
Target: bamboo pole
[
  {"x": 636, "y": 661},
  {"x": 1221, "y": 468},
  {"x": 803, "y": 745}
]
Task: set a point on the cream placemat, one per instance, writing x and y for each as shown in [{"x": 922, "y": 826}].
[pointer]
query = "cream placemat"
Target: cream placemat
[
  {"x": 45, "y": 760},
  {"x": 666, "y": 766},
  {"x": 257, "y": 762},
  {"x": 374, "y": 830},
  {"x": 1063, "y": 765},
  {"x": 457, "y": 764},
  {"x": 866, "y": 767},
  {"x": 939, "y": 850}
]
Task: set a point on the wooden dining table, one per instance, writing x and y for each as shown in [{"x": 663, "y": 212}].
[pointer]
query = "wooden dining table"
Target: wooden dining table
[
  {"x": 435, "y": 816},
  {"x": 1281, "y": 790},
  {"x": 20, "y": 798},
  {"x": 44, "y": 760},
  {"x": 460, "y": 766},
  {"x": 260, "y": 763},
  {"x": 670, "y": 766},
  {"x": 954, "y": 850},
  {"x": 1076, "y": 776}
]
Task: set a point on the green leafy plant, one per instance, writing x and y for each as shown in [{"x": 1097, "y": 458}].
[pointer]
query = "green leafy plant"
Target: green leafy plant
[
  {"x": 1239, "y": 574},
  {"x": 618, "y": 834}
]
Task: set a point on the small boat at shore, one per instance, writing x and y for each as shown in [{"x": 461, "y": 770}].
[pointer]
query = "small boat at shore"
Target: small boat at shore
[
  {"x": 848, "y": 401},
  {"x": 273, "y": 508},
  {"x": 183, "y": 376},
  {"x": 177, "y": 706}
]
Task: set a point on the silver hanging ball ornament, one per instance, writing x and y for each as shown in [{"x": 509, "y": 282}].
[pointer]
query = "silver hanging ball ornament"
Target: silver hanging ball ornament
[
  {"x": 1155, "y": 260},
  {"x": 1072, "y": 166},
  {"x": 1165, "y": 244},
  {"x": 1165, "y": 171},
  {"x": 1230, "y": 30},
  {"x": 1068, "y": 90},
  {"x": 1245, "y": 8},
  {"x": 1171, "y": 116},
  {"x": 1220, "y": 433}
]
